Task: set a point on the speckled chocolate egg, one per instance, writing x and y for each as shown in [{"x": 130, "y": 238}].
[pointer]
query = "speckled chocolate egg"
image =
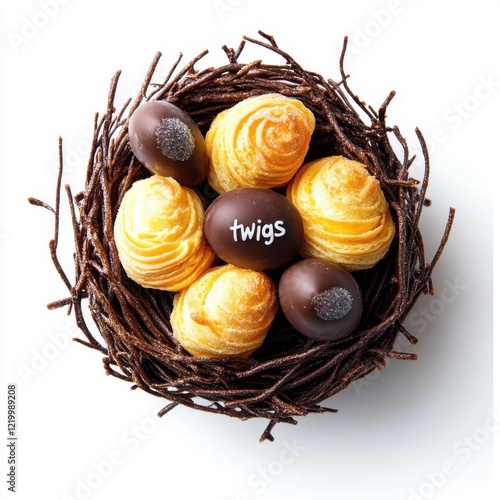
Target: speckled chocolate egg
[
  {"x": 168, "y": 142},
  {"x": 320, "y": 299},
  {"x": 254, "y": 228}
]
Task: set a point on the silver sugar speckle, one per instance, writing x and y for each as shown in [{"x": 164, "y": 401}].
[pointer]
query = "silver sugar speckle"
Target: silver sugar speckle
[
  {"x": 175, "y": 140},
  {"x": 333, "y": 303}
]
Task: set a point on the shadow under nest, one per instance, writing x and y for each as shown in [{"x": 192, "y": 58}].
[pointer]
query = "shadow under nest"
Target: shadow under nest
[{"x": 290, "y": 375}]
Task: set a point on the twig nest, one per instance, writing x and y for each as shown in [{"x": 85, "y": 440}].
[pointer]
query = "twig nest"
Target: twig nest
[{"x": 141, "y": 339}]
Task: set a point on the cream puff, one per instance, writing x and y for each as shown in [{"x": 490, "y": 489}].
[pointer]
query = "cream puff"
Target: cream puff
[
  {"x": 158, "y": 233},
  {"x": 345, "y": 214},
  {"x": 260, "y": 142},
  {"x": 226, "y": 312}
]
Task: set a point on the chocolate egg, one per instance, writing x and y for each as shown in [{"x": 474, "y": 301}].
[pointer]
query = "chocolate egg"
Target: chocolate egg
[
  {"x": 168, "y": 142},
  {"x": 320, "y": 299},
  {"x": 253, "y": 228}
]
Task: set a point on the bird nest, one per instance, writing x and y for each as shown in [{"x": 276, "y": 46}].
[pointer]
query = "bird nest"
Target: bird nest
[{"x": 290, "y": 375}]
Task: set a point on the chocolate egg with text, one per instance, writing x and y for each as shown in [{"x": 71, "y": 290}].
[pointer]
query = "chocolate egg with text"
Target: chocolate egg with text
[{"x": 254, "y": 228}]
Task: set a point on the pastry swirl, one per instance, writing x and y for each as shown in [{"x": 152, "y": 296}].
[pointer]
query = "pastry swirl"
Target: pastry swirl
[
  {"x": 260, "y": 142},
  {"x": 346, "y": 216},
  {"x": 225, "y": 313},
  {"x": 158, "y": 234}
]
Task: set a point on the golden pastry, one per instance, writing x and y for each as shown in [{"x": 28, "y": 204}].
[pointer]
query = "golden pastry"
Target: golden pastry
[
  {"x": 346, "y": 216},
  {"x": 225, "y": 313},
  {"x": 158, "y": 234},
  {"x": 260, "y": 142}
]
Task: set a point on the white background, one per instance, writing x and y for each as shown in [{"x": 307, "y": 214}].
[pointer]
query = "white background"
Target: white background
[{"x": 418, "y": 430}]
